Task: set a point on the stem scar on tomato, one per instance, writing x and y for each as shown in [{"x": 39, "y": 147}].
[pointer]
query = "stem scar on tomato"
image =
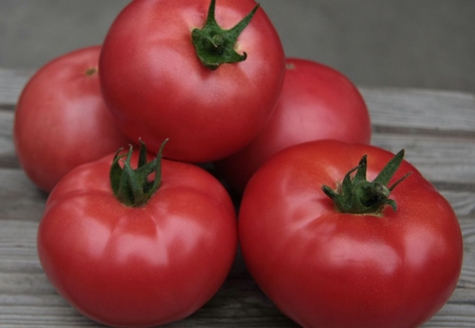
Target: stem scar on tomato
[
  {"x": 214, "y": 45},
  {"x": 290, "y": 66},
  {"x": 132, "y": 187},
  {"x": 357, "y": 195},
  {"x": 91, "y": 71}
]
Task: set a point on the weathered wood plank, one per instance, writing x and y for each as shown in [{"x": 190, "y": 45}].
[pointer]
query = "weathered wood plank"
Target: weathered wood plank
[
  {"x": 459, "y": 312},
  {"x": 12, "y": 83},
  {"x": 432, "y": 111},
  {"x": 28, "y": 299},
  {"x": 390, "y": 108},
  {"x": 239, "y": 303},
  {"x": 7, "y": 149},
  {"x": 448, "y": 159},
  {"x": 440, "y": 160},
  {"x": 19, "y": 198}
]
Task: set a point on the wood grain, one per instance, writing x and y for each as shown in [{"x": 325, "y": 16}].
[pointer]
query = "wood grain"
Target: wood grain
[{"x": 436, "y": 128}]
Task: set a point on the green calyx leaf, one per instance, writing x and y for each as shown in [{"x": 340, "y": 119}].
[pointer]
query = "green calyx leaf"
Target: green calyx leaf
[
  {"x": 358, "y": 196},
  {"x": 215, "y": 46},
  {"x": 132, "y": 187}
]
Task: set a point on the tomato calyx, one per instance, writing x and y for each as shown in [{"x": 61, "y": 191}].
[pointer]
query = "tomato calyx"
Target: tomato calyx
[
  {"x": 132, "y": 186},
  {"x": 357, "y": 195},
  {"x": 215, "y": 46}
]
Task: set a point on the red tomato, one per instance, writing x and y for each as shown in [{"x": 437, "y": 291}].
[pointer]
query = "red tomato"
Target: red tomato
[
  {"x": 326, "y": 268},
  {"x": 317, "y": 102},
  {"x": 138, "y": 266},
  {"x": 157, "y": 87},
  {"x": 61, "y": 120}
]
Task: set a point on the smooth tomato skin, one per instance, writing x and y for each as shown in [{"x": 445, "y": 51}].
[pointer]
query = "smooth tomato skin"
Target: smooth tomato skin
[
  {"x": 323, "y": 268},
  {"x": 60, "y": 111},
  {"x": 156, "y": 87},
  {"x": 317, "y": 102},
  {"x": 138, "y": 267}
]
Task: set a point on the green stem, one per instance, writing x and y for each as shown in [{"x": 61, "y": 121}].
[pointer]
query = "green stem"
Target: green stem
[
  {"x": 359, "y": 196},
  {"x": 215, "y": 46},
  {"x": 132, "y": 187}
]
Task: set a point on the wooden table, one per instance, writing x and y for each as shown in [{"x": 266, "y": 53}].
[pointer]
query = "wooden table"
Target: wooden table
[{"x": 436, "y": 128}]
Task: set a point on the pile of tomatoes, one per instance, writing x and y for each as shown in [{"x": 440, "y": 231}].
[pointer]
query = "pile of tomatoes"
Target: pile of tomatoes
[{"x": 137, "y": 233}]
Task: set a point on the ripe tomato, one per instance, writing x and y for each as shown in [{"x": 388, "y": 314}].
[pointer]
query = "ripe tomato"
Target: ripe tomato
[
  {"x": 61, "y": 120},
  {"x": 157, "y": 87},
  {"x": 317, "y": 102},
  {"x": 324, "y": 267},
  {"x": 140, "y": 266}
]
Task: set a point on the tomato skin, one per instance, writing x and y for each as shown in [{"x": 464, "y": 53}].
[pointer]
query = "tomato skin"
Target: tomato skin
[
  {"x": 323, "y": 268},
  {"x": 157, "y": 88},
  {"x": 317, "y": 102},
  {"x": 59, "y": 111},
  {"x": 137, "y": 267}
]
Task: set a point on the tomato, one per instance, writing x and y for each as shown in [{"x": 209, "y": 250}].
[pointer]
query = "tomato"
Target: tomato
[
  {"x": 388, "y": 253},
  {"x": 59, "y": 111},
  {"x": 317, "y": 102},
  {"x": 158, "y": 87},
  {"x": 143, "y": 263}
]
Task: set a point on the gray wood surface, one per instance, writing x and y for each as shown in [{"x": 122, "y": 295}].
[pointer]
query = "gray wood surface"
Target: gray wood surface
[{"x": 436, "y": 128}]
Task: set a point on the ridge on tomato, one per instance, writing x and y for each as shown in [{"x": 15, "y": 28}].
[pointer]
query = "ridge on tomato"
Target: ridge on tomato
[
  {"x": 131, "y": 241},
  {"x": 206, "y": 75},
  {"x": 337, "y": 238},
  {"x": 317, "y": 102}
]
